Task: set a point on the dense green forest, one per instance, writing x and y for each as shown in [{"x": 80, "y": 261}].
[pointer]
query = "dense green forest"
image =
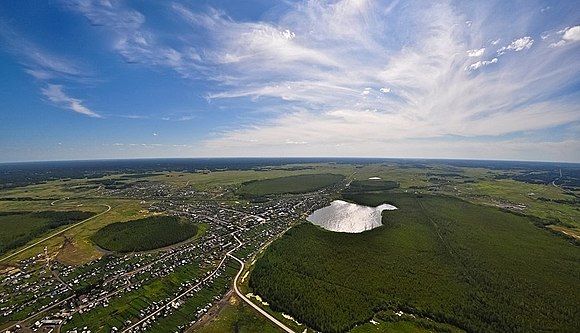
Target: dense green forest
[
  {"x": 290, "y": 184},
  {"x": 440, "y": 258},
  {"x": 371, "y": 185},
  {"x": 144, "y": 234},
  {"x": 18, "y": 228}
]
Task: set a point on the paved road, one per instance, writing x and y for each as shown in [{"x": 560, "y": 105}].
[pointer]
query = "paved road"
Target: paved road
[
  {"x": 55, "y": 234},
  {"x": 257, "y": 308},
  {"x": 168, "y": 304}
]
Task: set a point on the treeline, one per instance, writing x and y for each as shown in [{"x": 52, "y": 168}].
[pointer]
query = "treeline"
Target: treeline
[
  {"x": 570, "y": 177},
  {"x": 439, "y": 258},
  {"x": 16, "y": 225},
  {"x": 144, "y": 234}
]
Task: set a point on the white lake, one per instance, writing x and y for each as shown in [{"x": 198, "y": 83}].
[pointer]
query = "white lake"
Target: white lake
[{"x": 342, "y": 216}]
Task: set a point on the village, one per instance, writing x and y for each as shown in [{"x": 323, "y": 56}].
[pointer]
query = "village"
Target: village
[{"x": 56, "y": 295}]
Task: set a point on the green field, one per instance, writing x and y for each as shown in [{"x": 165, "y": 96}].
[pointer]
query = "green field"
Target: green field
[
  {"x": 291, "y": 184},
  {"x": 18, "y": 228},
  {"x": 239, "y": 317},
  {"x": 436, "y": 257},
  {"x": 144, "y": 234}
]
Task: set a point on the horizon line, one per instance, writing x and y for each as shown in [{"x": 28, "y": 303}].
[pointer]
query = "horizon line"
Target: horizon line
[{"x": 283, "y": 157}]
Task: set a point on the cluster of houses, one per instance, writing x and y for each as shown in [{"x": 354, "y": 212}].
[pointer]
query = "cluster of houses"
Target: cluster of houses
[{"x": 98, "y": 283}]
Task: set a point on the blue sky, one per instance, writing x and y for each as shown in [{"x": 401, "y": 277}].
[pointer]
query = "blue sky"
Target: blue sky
[{"x": 86, "y": 79}]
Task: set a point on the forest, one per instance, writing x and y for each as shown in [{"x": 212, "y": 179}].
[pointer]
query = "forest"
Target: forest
[
  {"x": 437, "y": 258},
  {"x": 291, "y": 184},
  {"x": 144, "y": 234},
  {"x": 370, "y": 185}
]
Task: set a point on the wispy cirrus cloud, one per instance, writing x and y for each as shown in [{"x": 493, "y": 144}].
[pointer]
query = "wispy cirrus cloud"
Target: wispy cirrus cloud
[
  {"x": 56, "y": 95},
  {"x": 48, "y": 68},
  {"x": 38, "y": 62},
  {"x": 353, "y": 72},
  {"x": 339, "y": 50},
  {"x": 133, "y": 40}
]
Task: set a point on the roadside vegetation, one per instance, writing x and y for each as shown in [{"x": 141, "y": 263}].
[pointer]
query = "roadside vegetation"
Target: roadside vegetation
[
  {"x": 438, "y": 258},
  {"x": 19, "y": 228},
  {"x": 237, "y": 316},
  {"x": 144, "y": 234}
]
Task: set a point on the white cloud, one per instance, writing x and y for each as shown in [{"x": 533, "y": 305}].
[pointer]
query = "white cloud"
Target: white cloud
[
  {"x": 132, "y": 40},
  {"x": 572, "y": 34},
  {"x": 293, "y": 142},
  {"x": 480, "y": 64},
  {"x": 307, "y": 71},
  {"x": 433, "y": 97},
  {"x": 39, "y": 74},
  {"x": 56, "y": 95},
  {"x": 569, "y": 35},
  {"x": 517, "y": 45},
  {"x": 476, "y": 52}
]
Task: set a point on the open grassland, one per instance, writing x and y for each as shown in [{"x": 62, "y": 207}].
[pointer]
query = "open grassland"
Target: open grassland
[
  {"x": 216, "y": 179},
  {"x": 438, "y": 258},
  {"x": 290, "y": 184},
  {"x": 144, "y": 234},
  {"x": 18, "y": 228},
  {"x": 74, "y": 246},
  {"x": 544, "y": 201}
]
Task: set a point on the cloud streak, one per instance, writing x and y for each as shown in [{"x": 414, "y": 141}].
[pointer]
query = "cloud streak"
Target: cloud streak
[
  {"x": 340, "y": 49},
  {"x": 56, "y": 95},
  {"x": 46, "y": 67},
  {"x": 351, "y": 73}
]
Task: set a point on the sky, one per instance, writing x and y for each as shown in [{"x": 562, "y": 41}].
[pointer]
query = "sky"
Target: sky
[{"x": 100, "y": 79}]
